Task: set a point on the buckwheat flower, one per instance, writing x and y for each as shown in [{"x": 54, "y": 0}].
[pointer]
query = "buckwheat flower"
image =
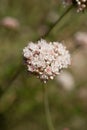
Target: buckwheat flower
[
  {"x": 46, "y": 59},
  {"x": 81, "y": 5}
]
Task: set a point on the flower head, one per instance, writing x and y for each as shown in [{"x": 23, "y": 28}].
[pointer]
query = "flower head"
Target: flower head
[
  {"x": 46, "y": 60},
  {"x": 80, "y": 4}
]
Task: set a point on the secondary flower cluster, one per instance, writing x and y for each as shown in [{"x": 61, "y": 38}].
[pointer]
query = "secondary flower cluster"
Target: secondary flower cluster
[
  {"x": 80, "y": 4},
  {"x": 46, "y": 59}
]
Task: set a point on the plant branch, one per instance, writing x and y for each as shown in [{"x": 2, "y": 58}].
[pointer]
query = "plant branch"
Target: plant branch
[{"x": 57, "y": 22}]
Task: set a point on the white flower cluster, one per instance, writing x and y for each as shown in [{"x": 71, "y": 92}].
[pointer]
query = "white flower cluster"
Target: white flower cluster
[{"x": 46, "y": 59}]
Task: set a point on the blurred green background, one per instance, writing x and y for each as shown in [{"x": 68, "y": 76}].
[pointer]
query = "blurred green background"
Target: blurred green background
[{"x": 21, "y": 94}]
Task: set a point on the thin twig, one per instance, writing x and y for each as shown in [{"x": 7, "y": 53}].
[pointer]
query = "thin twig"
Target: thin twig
[{"x": 57, "y": 22}]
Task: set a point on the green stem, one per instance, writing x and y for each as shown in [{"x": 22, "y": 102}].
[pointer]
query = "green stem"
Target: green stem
[{"x": 46, "y": 107}]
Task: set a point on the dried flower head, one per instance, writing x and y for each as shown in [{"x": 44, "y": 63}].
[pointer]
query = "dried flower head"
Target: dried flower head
[
  {"x": 80, "y": 4},
  {"x": 46, "y": 60}
]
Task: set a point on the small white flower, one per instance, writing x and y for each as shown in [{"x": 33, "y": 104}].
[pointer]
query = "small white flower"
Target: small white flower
[{"x": 46, "y": 59}]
